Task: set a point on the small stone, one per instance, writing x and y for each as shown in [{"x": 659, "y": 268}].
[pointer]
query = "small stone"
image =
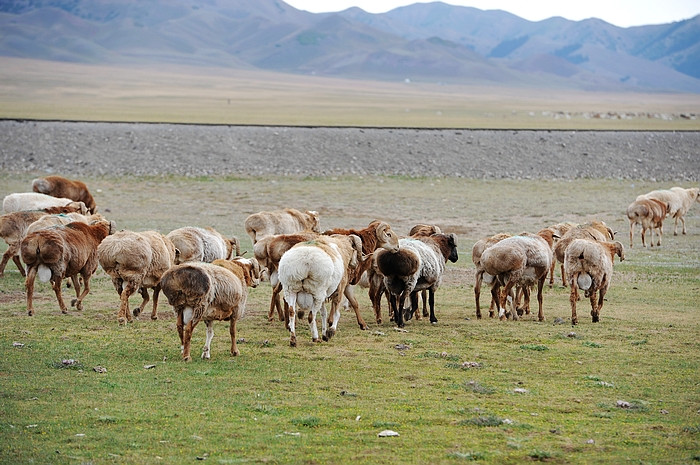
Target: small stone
[
  {"x": 664, "y": 412},
  {"x": 623, "y": 404},
  {"x": 387, "y": 433},
  {"x": 19, "y": 345},
  {"x": 520, "y": 391},
  {"x": 590, "y": 441},
  {"x": 148, "y": 367},
  {"x": 99, "y": 369}
]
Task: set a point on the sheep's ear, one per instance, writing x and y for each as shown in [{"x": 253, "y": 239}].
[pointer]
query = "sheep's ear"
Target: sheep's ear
[
  {"x": 177, "y": 256},
  {"x": 256, "y": 268}
]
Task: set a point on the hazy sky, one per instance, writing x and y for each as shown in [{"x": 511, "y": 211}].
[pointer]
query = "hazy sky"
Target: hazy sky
[{"x": 622, "y": 13}]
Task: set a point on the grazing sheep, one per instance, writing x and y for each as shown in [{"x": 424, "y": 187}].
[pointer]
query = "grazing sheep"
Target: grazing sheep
[
  {"x": 422, "y": 229},
  {"x": 316, "y": 270},
  {"x": 688, "y": 197},
  {"x": 13, "y": 228},
  {"x": 206, "y": 292},
  {"x": 596, "y": 230},
  {"x": 268, "y": 251},
  {"x": 650, "y": 214},
  {"x": 287, "y": 221},
  {"x": 419, "y": 264},
  {"x": 378, "y": 234},
  {"x": 58, "y": 186},
  {"x": 589, "y": 266},
  {"x": 559, "y": 229},
  {"x": 26, "y": 201},
  {"x": 195, "y": 244},
  {"x": 62, "y": 219},
  {"x": 481, "y": 275},
  {"x": 246, "y": 269},
  {"x": 518, "y": 261},
  {"x": 63, "y": 252},
  {"x": 136, "y": 261}
]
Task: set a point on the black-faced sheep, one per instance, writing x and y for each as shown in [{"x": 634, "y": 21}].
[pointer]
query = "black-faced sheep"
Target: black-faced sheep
[
  {"x": 287, "y": 221},
  {"x": 136, "y": 261},
  {"x": 589, "y": 266},
  {"x": 316, "y": 270},
  {"x": 419, "y": 264}
]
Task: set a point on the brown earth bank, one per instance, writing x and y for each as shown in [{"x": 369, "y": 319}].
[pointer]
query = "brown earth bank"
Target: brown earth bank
[{"x": 84, "y": 148}]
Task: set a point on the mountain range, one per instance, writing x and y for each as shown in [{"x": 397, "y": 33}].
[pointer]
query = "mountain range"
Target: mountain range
[{"x": 433, "y": 42}]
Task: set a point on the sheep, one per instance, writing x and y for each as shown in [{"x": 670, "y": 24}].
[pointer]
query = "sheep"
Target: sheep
[
  {"x": 58, "y": 186},
  {"x": 559, "y": 229},
  {"x": 207, "y": 292},
  {"x": 687, "y": 198},
  {"x": 13, "y": 228},
  {"x": 63, "y": 252},
  {"x": 202, "y": 245},
  {"x": 313, "y": 271},
  {"x": 268, "y": 251},
  {"x": 246, "y": 269},
  {"x": 596, "y": 230},
  {"x": 378, "y": 234},
  {"x": 136, "y": 261},
  {"x": 422, "y": 229},
  {"x": 25, "y": 201},
  {"x": 62, "y": 219},
  {"x": 589, "y": 266},
  {"x": 477, "y": 251},
  {"x": 419, "y": 264},
  {"x": 650, "y": 214},
  {"x": 287, "y": 221},
  {"x": 519, "y": 260}
]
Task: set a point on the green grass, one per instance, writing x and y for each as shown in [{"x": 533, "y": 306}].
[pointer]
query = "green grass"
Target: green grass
[{"x": 537, "y": 395}]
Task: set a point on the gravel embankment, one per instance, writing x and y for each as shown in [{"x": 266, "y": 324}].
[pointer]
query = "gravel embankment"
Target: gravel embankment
[{"x": 86, "y": 149}]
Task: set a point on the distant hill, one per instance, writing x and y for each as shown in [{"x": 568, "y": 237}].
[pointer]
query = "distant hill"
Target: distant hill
[{"x": 424, "y": 41}]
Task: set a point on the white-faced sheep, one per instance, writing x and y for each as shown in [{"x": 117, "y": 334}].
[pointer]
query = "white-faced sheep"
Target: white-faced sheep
[
  {"x": 316, "y": 270},
  {"x": 13, "y": 228},
  {"x": 287, "y": 221},
  {"x": 205, "y": 292},
  {"x": 58, "y": 186},
  {"x": 63, "y": 252},
  {"x": 589, "y": 266},
  {"x": 136, "y": 261},
  {"x": 518, "y": 261},
  {"x": 26, "y": 201},
  {"x": 649, "y": 213},
  {"x": 419, "y": 264},
  {"x": 194, "y": 244}
]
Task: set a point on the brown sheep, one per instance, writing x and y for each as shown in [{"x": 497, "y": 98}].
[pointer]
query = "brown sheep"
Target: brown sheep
[
  {"x": 204, "y": 292},
  {"x": 194, "y": 244},
  {"x": 477, "y": 251},
  {"x": 63, "y": 252},
  {"x": 596, "y": 230},
  {"x": 13, "y": 228},
  {"x": 287, "y": 221},
  {"x": 58, "y": 186},
  {"x": 650, "y": 214},
  {"x": 136, "y": 261}
]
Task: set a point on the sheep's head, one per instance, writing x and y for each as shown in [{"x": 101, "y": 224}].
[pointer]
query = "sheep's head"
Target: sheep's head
[
  {"x": 314, "y": 221},
  {"x": 387, "y": 238},
  {"x": 357, "y": 257},
  {"x": 619, "y": 250},
  {"x": 452, "y": 243}
]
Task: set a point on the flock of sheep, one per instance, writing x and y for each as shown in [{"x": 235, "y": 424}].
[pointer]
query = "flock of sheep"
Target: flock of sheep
[{"x": 58, "y": 234}]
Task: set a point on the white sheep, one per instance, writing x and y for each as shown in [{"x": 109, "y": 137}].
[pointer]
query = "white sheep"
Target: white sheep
[
  {"x": 589, "y": 266},
  {"x": 313, "y": 271},
  {"x": 518, "y": 261},
  {"x": 204, "y": 292},
  {"x": 687, "y": 198},
  {"x": 25, "y": 201},
  {"x": 136, "y": 261},
  {"x": 287, "y": 221},
  {"x": 194, "y": 244}
]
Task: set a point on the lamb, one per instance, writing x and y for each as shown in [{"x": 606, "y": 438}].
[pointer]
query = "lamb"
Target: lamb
[
  {"x": 378, "y": 234},
  {"x": 596, "y": 230},
  {"x": 419, "y": 264},
  {"x": 650, "y": 214},
  {"x": 63, "y": 252},
  {"x": 316, "y": 270},
  {"x": 136, "y": 261},
  {"x": 268, "y": 251},
  {"x": 519, "y": 260},
  {"x": 13, "y": 228},
  {"x": 26, "y": 201},
  {"x": 206, "y": 292},
  {"x": 589, "y": 266},
  {"x": 477, "y": 251},
  {"x": 287, "y": 221},
  {"x": 58, "y": 186},
  {"x": 195, "y": 244}
]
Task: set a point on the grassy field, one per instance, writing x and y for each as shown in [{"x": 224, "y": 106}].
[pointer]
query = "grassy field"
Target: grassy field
[
  {"x": 543, "y": 392},
  {"x": 32, "y": 89}
]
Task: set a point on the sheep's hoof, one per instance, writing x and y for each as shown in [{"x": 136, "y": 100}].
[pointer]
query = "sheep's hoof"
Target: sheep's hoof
[
  {"x": 187, "y": 359},
  {"x": 315, "y": 339},
  {"x": 330, "y": 332},
  {"x": 137, "y": 312},
  {"x": 433, "y": 322},
  {"x": 596, "y": 318},
  {"x": 235, "y": 353},
  {"x": 30, "y": 313},
  {"x": 293, "y": 341},
  {"x": 64, "y": 311},
  {"x": 503, "y": 318},
  {"x": 206, "y": 355},
  {"x": 364, "y": 327},
  {"x": 154, "y": 316},
  {"x": 379, "y": 321},
  {"x": 121, "y": 320},
  {"x": 574, "y": 322}
]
